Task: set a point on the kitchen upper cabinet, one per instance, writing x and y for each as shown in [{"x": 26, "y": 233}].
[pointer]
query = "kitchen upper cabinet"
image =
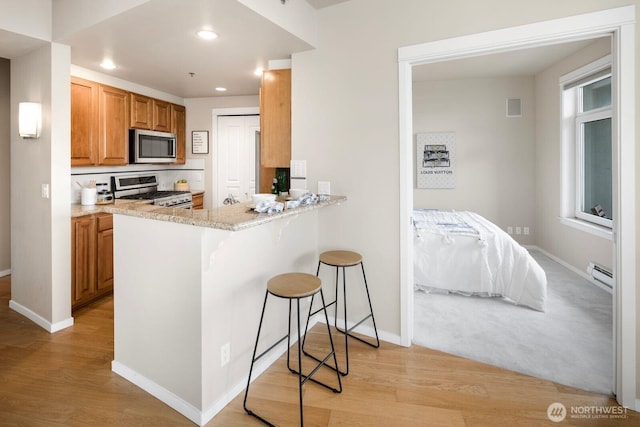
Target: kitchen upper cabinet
[
  {"x": 91, "y": 258},
  {"x": 275, "y": 119},
  {"x": 99, "y": 124},
  {"x": 84, "y": 122},
  {"x": 161, "y": 116},
  {"x": 179, "y": 128},
  {"x": 141, "y": 111},
  {"x": 113, "y": 107}
]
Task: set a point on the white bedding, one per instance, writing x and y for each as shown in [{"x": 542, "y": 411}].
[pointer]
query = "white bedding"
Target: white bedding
[{"x": 462, "y": 252}]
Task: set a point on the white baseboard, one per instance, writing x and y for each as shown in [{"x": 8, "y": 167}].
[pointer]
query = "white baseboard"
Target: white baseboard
[
  {"x": 579, "y": 272},
  {"x": 159, "y": 392},
  {"x": 366, "y": 330},
  {"x": 5, "y": 273},
  {"x": 39, "y": 320},
  {"x": 200, "y": 417}
]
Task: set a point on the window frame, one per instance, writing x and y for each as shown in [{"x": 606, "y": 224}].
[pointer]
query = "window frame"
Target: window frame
[
  {"x": 570, "y": 89},
  {"x": 581, "y": 119}
]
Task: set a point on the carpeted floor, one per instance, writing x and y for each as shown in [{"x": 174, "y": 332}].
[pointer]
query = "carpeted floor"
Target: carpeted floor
[{"x": 570, "y": 343}]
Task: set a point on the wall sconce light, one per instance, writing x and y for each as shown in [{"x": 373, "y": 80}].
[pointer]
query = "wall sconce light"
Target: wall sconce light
[{"x": 29, "y": 119}]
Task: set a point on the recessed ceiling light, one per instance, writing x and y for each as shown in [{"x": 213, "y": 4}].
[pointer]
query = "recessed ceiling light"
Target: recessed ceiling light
[
  {"x": 108, "y": 64},
  {"x": 207, "y": 34},
  {"x": 221, "y": 89}
]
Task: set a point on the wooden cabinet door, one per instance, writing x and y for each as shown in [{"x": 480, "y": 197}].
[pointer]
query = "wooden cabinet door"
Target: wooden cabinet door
[
  {"x": 104, "y": 253},
  {"x": 161, "y": 116},
  {"x": 198, "y": 201},
  {"x": 141, "y": 113},
  {"x": 83, "y": 260},
  {"x": 275, "y": 119},
  {"x": 113, "y": 148},
  {"x": 84, "y": 122},
  {"x": 179, "y": 127}
]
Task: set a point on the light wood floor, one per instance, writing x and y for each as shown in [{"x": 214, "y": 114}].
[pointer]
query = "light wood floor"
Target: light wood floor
[{"x": 65, "y": 379}]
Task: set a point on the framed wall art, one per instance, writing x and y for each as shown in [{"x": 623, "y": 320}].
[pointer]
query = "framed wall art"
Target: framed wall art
[
  {"x": 436, "y": 160},
  {"x": 200, "y": 142}
]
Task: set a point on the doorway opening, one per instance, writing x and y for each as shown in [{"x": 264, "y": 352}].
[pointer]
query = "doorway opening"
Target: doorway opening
[{"x": 618, "y": 23}]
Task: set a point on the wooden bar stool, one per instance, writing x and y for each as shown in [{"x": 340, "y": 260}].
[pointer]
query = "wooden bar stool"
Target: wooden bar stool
[
  {"x": 344, "y": 259},
  {"x": 294, "y": 286}
]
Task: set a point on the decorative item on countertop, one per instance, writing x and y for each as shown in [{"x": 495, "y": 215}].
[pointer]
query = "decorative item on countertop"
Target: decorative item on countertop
[
  {"x": 181, "y": 185},
  {"x": 269, "y": 206},
  {"x": 274, "y": 186},
  {"x": 309, "y": 199},
  {"x": 103, "y": 196},
  {"x": 259, "y": 197},
  {"x": 297, "y": 193},
  {"x": 231, "y": 200},
  {"x": 88, "y": 196}
]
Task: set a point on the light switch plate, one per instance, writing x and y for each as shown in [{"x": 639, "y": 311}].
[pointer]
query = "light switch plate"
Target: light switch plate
[
  {"x": 298, "y": 169},
  {"x": 44, "y": 191},
  {"x": 324, "y": 187}
]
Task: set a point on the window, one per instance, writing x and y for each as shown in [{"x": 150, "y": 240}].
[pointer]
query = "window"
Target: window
[{"x": 588, "y": 196}]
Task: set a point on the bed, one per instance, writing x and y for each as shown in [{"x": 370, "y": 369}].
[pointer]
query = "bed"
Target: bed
[{"x": 462, "y": 252}]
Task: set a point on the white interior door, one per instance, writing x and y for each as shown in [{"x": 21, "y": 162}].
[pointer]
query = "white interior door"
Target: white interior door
[{"x": 236, "y": 156}]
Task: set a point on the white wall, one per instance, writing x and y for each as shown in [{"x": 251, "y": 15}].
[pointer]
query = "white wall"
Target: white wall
[
  {"x": 5, "y": 164},
  {"x": 495, "y": 153},
  {"x": 40, "y": 243},
  {"x": 345, "y": 114},
  {"x": 573, "y": 246}
]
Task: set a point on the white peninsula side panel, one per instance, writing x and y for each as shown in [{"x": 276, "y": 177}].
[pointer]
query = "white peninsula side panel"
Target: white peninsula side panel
[{"x": 182, "y": 292}]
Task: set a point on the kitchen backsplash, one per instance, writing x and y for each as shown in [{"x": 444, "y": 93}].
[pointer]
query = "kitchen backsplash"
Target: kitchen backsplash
[{"x": 192, "y": 171}]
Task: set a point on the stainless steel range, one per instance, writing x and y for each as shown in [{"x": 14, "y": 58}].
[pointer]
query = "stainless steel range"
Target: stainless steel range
[{"x": 145, "y": 187}]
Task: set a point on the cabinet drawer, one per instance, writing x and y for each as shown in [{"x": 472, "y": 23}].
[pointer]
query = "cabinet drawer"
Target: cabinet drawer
[{"x": 105, "y": 222}]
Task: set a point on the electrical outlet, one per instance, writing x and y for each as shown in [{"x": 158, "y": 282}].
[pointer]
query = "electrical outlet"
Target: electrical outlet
[
  {"x": 525, "y": 231},
  {"x": 518, "y": 230},
  {"x": 225, "y": 354},
  {"x": 510, "y": 229}
]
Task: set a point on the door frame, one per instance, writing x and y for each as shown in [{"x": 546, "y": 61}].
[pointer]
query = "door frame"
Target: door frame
[
  {"x": 238, "y": 111},
  {"x": 620, "y": 24}
]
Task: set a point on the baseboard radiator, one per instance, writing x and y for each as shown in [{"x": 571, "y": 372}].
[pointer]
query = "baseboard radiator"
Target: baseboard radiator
[{"x": 600, "y": 274}]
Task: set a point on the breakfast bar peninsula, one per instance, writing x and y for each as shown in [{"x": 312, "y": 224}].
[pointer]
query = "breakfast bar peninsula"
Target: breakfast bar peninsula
[{"x": 188, "y": 292}]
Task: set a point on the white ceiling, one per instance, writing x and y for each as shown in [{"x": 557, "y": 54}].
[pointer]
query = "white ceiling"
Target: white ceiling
[
  {"x": 154, "y": 45},
  {"x": 524, "y": 62}
]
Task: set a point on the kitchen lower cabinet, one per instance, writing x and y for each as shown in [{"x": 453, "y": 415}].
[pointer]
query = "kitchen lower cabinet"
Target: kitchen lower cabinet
[
  {"x": 198, "y": 201},
  {"x": 104, "y": 244},
  {"x": 91, "y": 258}
]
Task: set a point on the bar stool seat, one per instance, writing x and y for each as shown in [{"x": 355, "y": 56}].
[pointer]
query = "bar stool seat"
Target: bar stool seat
[
  {"x": 340, "y": 259},
  {"x": 294, "y": 286}
]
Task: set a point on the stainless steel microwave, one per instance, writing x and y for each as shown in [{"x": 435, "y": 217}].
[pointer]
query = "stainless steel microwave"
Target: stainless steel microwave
[{"x": 148, "y": 146}]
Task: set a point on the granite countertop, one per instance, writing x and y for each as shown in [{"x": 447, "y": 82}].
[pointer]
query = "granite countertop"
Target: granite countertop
[{"x": 230, "y": 217}]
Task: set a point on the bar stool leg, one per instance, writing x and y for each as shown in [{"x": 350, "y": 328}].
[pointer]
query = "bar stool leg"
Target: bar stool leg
[
  {"x": 322, "y": 362},
  {"x": 347, "y": 332},
  {"x": 302, "y": 378},
  {"x": 253, "y": 359}
]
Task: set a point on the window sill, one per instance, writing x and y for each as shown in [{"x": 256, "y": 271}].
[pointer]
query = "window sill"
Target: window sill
[{"x": 587, "y": 227}]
